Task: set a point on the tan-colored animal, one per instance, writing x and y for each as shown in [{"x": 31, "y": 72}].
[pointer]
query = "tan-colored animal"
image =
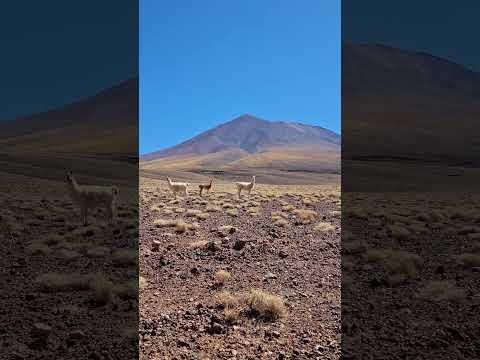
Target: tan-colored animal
[
  {"x": 247, "y": 186},
  {"x": 205, "y": 187},
  {"x": 91, "y": 196},
  {"x": 178, "y": 187}
]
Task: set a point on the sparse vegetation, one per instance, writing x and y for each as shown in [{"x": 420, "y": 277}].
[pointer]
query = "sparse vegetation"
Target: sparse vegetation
[
  {"x": 265, "y": 305},
  {"x": 125, "y": 257},
  {"x": 441, "y": 290},
  {"x": 222, "y": 276},
  {"x": 102, "y": 290},
  {"x": 306, "y": 216},
  {"x": 323, "y": 227}
]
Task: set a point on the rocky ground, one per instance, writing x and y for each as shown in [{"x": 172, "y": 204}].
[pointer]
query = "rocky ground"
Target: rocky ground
[
  {"x": 410, "y": 276},
  {"x": 196, "y": 277},
  {"x": 68, "y": 291}
]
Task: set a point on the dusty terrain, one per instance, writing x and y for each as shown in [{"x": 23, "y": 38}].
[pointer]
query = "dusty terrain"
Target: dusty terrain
[
  {"x": 410, "y": 275},
  {"x": 196, "y": 298},
  {"x": 68, "y": 291}
]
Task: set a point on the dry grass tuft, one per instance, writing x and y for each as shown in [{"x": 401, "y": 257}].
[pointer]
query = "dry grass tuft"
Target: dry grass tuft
[
  {"x": 142, "y": 283},
  {"x": 157, "y": 208},
  {"x": 232, "y": 212},
  {"x": 306, "y": 216},
  {"x": 200, "y": 244},
  {"x": 202, "y": 216},
  {"x": 98, "y": 251},
  {"x": 399, "y": 232},
  {"x": 279, "y": 214},
  {"x": 192, "y": 212},
  {"x": 128, "y": 290},
  {"x": 227, "y": 229},
  {"x": 442, "y": 290},
  {"x": 68, "y": 254},
  {"x": 231, "y": 315},
  {"x": 209, "y": 245},
  {"x": 264, "y": 305},
  {"x": 222, "y": 276},
  {"x": 278, "y": 221},
  {"x": 102, "y": 290},
  {"x": 38, "y": 249},
  {"x": 213, "y": 208},
  {"x": 52, "y": 240},
  {"x": 56, "y": 282},
  {"x": 288, "y": 208},
  {"x": 324, "y": 227},
  {"x": 125, "y": 257},
  {"x": 164, "y": 223},
  {"x": 395, "y": 262},
  {"x": 354, "y": 247},
  {"x": 227, "y": 299},
  {"x": 469, "y": 259},
  {"x": 254, "y": 211}
]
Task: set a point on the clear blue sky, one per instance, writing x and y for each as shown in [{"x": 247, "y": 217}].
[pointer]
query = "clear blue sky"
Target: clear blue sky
[{"x": 205, "y": 62}]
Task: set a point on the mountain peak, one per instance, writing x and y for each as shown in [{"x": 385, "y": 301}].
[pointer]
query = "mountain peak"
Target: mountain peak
[
  {"x": 246, "y": 117},
  {"x": 250, "y": 134}
]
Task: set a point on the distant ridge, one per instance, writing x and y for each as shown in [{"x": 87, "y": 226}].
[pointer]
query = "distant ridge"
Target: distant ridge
[
  {"x": 116, "y": 104},
  {"x": 251, "y": 134},
  {"x": 278, "y": 152},
  {"x": 407, "y": 106}
]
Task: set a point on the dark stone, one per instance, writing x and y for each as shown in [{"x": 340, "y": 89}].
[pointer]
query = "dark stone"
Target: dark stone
[{"x": 239, "y": 245}]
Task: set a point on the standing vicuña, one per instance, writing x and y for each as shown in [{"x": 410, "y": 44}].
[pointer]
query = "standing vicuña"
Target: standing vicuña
[
  {"x": 205, "y": 187},
  {"x": 178, "y": 187},
  {"x": 247, "y": 186},
  {"x": 90, "y": 196}
]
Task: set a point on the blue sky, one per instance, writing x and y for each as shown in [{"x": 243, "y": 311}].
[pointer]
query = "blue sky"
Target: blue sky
[
  {"x": 205, "y": 62},
  {"x": 58, "y": 52},
  {"x": 449, "y": 32}
]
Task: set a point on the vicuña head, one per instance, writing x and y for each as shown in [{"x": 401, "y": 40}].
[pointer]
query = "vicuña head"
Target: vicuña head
[{"x": 69, "y": 177}]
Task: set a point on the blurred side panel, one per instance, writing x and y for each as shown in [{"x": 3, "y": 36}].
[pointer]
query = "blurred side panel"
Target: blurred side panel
[
  {"x": 69, "y": 180},
  {"x": 410, "y": 174}
]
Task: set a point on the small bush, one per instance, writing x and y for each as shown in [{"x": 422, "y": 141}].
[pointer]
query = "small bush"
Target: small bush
[
  {"x": 306, "y": 216},
  {"x": 222, "y": 276},
  {"x": 227, "y": 300},
  {"x": 38, "y": 249},
  {"x": 102, "y": 290},
  {"x": 125, "y": 257},
  {"x": 232, "y": 212},
  {"x": 265, "y": 305},
  {"x": 469, "y": 259},
  {"x": 442, "y": 290},
  {"x": 53, "y": 282},
  {"x": 164, "y": 223},
  {"x": 324, "y": 227}
]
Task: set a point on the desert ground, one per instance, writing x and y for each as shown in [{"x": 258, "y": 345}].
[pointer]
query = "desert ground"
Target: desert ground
[
  {"x": 410, "y": 275},
  {"x": 250, "y": 278},
  {"x": 69, "y": 291}
]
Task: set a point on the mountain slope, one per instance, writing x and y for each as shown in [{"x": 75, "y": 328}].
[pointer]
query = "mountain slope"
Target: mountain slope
[
  {"x": 406, "y": 104},
  {"x": 278, "y": 152},
  {"x": 105, "y": 123},
  {"x": 96, "y": 137},
  {"x": 250, "y": 134}
]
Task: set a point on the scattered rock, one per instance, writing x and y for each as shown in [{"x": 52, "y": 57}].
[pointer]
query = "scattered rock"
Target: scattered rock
[
  {"x": 269, "y": 275},
  {"x": 239, "y": 244},
  {"x": 182, "y": 343},
  {"x": 155, "y": 245},
  {"x": 74, "y": 337},
  {"x": 41, "y": 330}
]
